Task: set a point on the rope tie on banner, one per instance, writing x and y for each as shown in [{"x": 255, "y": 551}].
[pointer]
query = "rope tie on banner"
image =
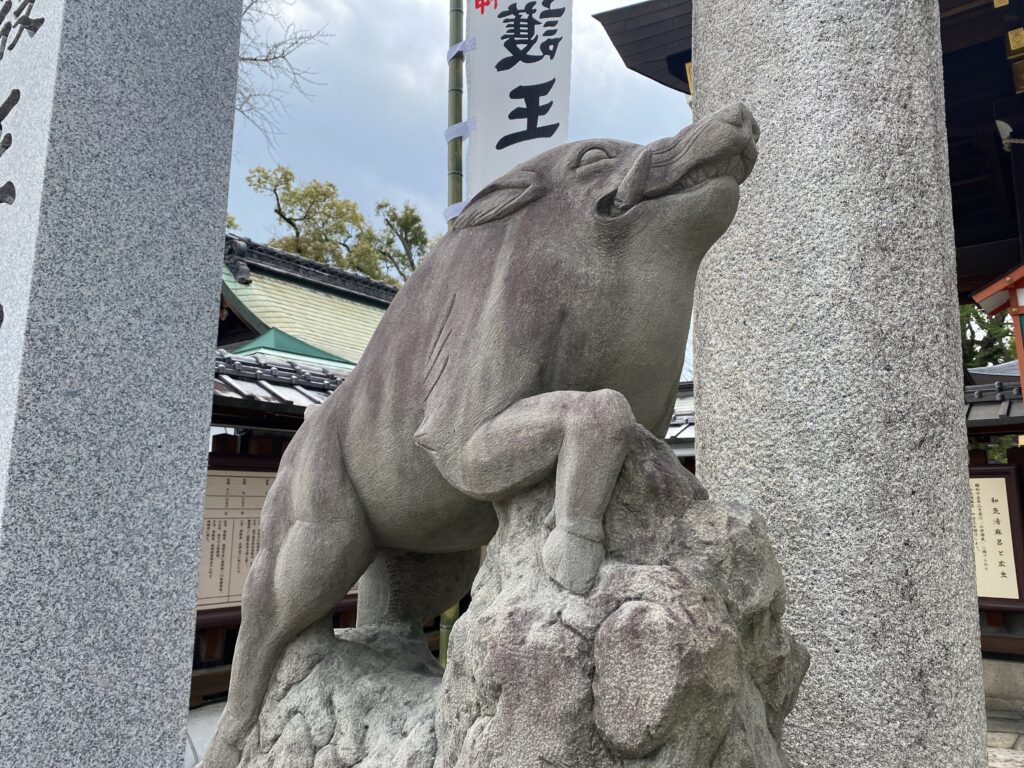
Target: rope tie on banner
[
  {"x": 459, "y": 130},
  {"x": 469, "y": 44}
]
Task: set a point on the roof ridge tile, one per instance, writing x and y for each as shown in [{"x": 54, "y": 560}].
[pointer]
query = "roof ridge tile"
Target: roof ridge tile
[{"x": 240, "y": 252}]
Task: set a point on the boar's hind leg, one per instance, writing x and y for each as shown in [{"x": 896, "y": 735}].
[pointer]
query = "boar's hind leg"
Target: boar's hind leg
[
  {"x": 408, "y": 588},
  {"x": 583, "y": 437}
]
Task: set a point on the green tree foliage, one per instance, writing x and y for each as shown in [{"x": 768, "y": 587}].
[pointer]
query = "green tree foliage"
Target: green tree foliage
[
  {"x": 988, "y": 341},
  {"x": 328, "y": 228},
  {"x": 321, "y": 225},
  {"x": 985, "y": 340},
  {"x": 399, "y": 244}
]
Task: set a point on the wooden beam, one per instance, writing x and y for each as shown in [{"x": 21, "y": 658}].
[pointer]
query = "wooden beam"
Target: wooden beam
[
  {"x": 1002, "y": 644},
  {"x": 949, "y": 8},
  {"x": 1006, "y": 283},
  {"x": 976, "y": 25},
  {"x": 994, "y": 259},
  {"x": 1017, "y": 163},
  {"x": 212, "y": 681}
]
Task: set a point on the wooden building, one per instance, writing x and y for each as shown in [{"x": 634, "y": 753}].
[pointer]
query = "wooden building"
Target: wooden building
[{"x": 983, "y": 55}]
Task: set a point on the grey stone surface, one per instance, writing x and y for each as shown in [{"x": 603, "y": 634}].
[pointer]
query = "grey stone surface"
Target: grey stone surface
[
  {"x": 828, "y": 377},
  {"x": 202, "y": 725},
  {"x": 366, "y": 698},
  {"x": 516, "y": 352},
  {"x": 109, "y": 256},
  {"x": 677, "y": 656},
  {"x": 1003, "y": 758},
  {"x": 1004, "y": 687},
  {"x": 1000, "y": 740}
]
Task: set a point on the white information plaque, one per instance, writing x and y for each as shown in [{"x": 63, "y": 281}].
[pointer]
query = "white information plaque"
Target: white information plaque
[
  {"x": 993, "y": 543},
  {"x": 231, "y": 534}
]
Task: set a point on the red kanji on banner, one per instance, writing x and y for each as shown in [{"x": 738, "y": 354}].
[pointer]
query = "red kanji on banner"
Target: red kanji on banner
[{"x": 483, "y": 5}]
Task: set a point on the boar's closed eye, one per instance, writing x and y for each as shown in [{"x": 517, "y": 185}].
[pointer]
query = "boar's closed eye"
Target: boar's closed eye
[{"x": 592, "y": 155}]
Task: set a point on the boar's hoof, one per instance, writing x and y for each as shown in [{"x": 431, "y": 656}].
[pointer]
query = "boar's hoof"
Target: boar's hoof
[{"x": 572, "y": 561}]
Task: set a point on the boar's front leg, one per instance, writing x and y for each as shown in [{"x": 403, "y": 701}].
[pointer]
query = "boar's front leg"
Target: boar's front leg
[{"x": 583, "y": 437}]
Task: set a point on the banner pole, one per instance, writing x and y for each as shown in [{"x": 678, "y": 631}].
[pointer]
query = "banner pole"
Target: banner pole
[
  {"x": 456, "y": 34},
  {"x": 455, "y": 87}
]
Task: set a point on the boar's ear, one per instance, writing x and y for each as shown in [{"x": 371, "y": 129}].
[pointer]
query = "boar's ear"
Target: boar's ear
[{"x": 512, "y": 192}]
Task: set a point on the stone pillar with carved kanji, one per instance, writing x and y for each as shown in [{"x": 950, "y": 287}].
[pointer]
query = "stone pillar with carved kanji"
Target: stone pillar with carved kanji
[{"x": 115, "y": 143}]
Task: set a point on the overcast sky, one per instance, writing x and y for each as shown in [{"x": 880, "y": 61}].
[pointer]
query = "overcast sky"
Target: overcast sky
[{"x": 375, "y": 125}]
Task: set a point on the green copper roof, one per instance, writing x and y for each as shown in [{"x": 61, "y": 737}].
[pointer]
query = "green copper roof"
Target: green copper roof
[
  {"x": 327, "y": 320},
  {"x": 276, "y": 340}
]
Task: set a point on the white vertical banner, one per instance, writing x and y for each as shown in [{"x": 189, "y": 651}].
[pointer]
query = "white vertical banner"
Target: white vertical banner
[{"x": 517, "y": 70}]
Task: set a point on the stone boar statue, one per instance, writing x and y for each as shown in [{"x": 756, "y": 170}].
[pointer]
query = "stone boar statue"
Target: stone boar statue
[{"x": 550, "y": 321}]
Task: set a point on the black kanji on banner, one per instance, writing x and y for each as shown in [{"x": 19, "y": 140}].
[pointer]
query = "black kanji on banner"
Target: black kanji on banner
[
  {"x": 523, "y": 33},
  {"x": 531, "y": 113},
  {"x": 7, "y": 192}
]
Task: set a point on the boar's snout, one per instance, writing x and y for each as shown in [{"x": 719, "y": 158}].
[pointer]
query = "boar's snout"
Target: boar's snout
[{"x": 724, "y": 144}]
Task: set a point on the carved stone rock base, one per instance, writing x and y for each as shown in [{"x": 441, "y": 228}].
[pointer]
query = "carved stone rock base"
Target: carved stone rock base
[
  {"x": 677, "y": 657},
  {"x": 366, "y": 697}
]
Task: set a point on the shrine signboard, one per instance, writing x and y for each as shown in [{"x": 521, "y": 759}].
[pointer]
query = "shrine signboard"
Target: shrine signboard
[
  {"x": 996, "y": 530},
  {"x": 231, "y": 534}
]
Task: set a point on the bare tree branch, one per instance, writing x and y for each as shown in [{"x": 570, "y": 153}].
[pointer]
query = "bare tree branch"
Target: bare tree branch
[{"x": 267, "y": 68}]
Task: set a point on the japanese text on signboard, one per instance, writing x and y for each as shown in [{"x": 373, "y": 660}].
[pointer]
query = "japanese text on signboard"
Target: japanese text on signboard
[
  {"x": 993, "y": 542},
  {"x": 231, "y": 534}
]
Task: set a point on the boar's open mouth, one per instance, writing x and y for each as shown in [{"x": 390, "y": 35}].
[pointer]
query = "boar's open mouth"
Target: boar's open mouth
[
  {"x": 733, "y": 167},
  {"x": 683, "y": 163},
  {"x": 635, "y": 190}
]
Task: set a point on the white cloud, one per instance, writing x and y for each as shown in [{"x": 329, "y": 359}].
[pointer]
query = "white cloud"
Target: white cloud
[
  {"x": 607, "y": 98},
  {"x": 402, "y": 42},
  {"x": 594, "y": 56},
  {"x": 315, "y": 13},
  {"x": 375, "y": 125}
]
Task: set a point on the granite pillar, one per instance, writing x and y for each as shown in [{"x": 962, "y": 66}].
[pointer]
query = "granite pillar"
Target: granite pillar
[
  {"x": 114, "y": 156},
  {"x": 828, "y": 381}
]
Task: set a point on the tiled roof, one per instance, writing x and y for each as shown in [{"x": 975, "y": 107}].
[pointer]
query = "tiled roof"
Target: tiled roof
[
  {"x": 996, "y": 405},
  {"x": 681, "y": 431},
  {"x": 240, "y": 253},
  {"x": 329, "y": 308},
  {"x": 992, "y": 406},
  {"x": 277, "y": 343},
  {"x": 286, "y": 383},
  {"x": 653, "y": 38},
  {"x": 272, "y": 381},
  {"x": 682, "y": 428},
  {"x": 1005, "y": 372}
]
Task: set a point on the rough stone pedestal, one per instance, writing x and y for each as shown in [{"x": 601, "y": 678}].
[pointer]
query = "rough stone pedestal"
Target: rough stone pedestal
[
  {"x": 828, "y": 380},
  {"x": 677, "y": 657},
  {"x": 114, "y": 155},
  {"x": 366, "y": 698}
]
